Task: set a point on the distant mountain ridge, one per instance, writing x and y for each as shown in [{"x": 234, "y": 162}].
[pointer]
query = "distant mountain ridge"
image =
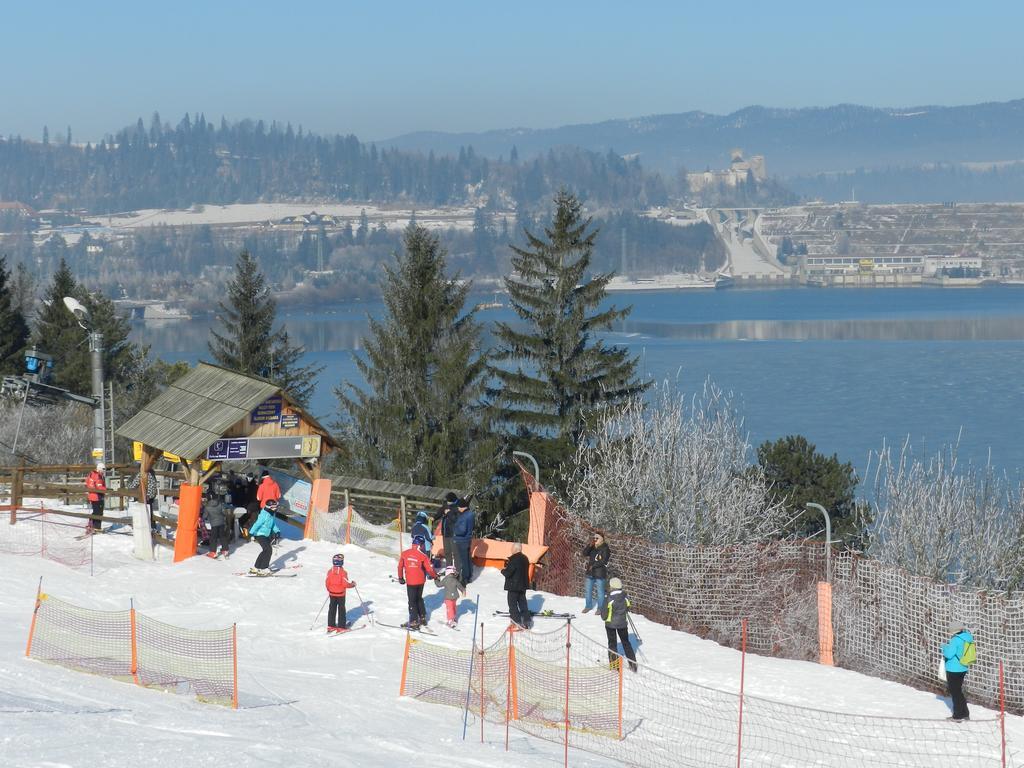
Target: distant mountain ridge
[{"x": 794, "y": 141}]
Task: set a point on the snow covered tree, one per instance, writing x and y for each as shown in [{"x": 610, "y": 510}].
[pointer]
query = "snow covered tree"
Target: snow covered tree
[
  {"x": 674, "y": 472},
  {"x": 249, "y": 342},
  {"x": 554, "y": 371},
  {"x": 422, "y": 419}
]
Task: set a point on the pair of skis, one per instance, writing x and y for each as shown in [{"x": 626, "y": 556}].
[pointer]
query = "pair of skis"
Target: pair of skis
[{"x": 273, "y": 572}]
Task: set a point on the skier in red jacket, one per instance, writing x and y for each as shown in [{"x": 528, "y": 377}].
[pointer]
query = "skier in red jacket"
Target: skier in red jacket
[
  {"x": 96, "y": 485},
  {"x": 337, "y": 583},
  {"x": 268, "y": 489},
  {"x": 413, "y": 569}
]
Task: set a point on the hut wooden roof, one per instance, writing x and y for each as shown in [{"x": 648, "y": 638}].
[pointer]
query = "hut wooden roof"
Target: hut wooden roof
[{"x": 199, "y": 408}]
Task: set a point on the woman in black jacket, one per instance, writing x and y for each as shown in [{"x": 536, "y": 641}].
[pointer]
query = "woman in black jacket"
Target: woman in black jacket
[{"x": 597, "y": 554}]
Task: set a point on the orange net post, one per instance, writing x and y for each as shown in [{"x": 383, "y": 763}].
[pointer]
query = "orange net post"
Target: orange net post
[
  {"x": 405, "y": 664},
  {"x": 482, "y": 688},
  {"x": 826, "y": 637},
  {"x": 743, "y": 672},
  {"x": 1002, "y": 714},
  {"x": 234, "y": 666},
  {"x": 568, "y": 666},
  {"x": 513, "y": 675},
  {"x": 508, "y": 686},
  {"x": 135, "y": 646},
  {"x": 348, "y": 525},
  {"x": 621, "y": 666},
  {"x": 35, "y": 613}
]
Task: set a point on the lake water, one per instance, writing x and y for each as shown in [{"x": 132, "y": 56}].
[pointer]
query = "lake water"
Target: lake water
[{"x": 847, "y": 368}]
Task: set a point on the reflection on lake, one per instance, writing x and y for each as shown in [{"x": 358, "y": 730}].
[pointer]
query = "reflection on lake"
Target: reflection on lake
[{"x": 846, "y": 368}]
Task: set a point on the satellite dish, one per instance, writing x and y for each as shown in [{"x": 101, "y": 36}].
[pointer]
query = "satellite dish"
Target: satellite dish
[{"x": 77, "y": 309}]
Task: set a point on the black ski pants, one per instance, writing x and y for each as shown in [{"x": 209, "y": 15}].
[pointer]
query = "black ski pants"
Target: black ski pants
[
  {"x": 613, "y": 647},
  {"x": 463, "y": 562},
  {"x": 518, "y": 610},
  {"x": 449, "y": 550},
  {"x": 263, "y": 561},
  {"x": 955, "y": 684},
  {"x": 417, "y": 609},
  {"x": 336, "y": 612},
  {"x": 97, "y": 514}
]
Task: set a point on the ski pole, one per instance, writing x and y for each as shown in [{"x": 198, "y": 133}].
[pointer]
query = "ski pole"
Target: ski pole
[
  {"x": 638, "y": 640},
  {"x": 362, "y": 604},
  {"x": 472, "y": 657},
  {"x": 319, "y": 612}
]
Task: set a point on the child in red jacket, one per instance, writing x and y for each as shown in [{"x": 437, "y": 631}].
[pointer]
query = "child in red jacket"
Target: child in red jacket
[{"x": 337, "y": 582}]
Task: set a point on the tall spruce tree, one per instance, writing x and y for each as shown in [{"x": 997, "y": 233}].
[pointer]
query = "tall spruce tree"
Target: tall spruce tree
[
  {"x": 422, "y": 419},
  {"x": 57, "y": 332},
  {"x": 249, "y": 342},
  {"x": 13, "y": 328},
  {"x": 556, "y": 372}
]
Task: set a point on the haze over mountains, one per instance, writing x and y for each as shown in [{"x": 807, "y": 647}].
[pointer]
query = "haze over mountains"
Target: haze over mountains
[{"x": 795, "y": 142}]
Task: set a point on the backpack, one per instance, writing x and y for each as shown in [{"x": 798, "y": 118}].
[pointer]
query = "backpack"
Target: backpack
[{"x": 970, "y": 654}]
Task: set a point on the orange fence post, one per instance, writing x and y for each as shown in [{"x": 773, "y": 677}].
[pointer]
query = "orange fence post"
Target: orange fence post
[
  {"x": 508, "y": 685},
  {"x": 568, "y": 645},
  {"x": 482, "y": 657},
  {"x": 621, "y": 665},
  {"x": 513, "y": 674},
  {"x": 35, "y": 612},
  {"x": 319, "y": 504},
  {"x": 135, "y": 650},
  {"x": 743, "y": 670},
  {"x": 405, "y": 663},
  {"x": 826, "y": 638},
  {"x": 234, "y": 666},
  {"x": 348, "y": 525},
  {"x": 1002, "y": 711}
]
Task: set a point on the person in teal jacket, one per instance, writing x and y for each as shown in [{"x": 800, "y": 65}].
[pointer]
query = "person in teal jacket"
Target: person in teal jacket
[
  {"x": 955, "y": 670},
  {"x": 262, "y": 531}
]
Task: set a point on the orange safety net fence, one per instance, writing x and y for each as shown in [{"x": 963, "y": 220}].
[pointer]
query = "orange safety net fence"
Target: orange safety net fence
[
  {"x": 50, "y": 535},
  {"x": 656, "y": 720},
  {"x": 128, "y": 646}
]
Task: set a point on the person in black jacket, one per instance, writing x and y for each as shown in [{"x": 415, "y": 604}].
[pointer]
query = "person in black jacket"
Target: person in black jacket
[
  {"x": 517, "y": 580},
  {"x": 447, "y": 516},
  {"x": 597, "y": 554}
]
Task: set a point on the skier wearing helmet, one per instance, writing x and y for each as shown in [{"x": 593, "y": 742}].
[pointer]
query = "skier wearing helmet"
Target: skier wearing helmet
[
  {"x": 449, "y": 582},
  {"x": 413, "y": 569},
  {"x": 337, "y": 583},
  {"x": 262, "y": 530}
]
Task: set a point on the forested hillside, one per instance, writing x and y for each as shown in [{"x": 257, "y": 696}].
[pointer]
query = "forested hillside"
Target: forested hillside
[{"x": 248, "y": 161}]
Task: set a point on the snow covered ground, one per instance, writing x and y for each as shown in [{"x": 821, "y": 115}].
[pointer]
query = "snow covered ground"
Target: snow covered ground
[{"x": 309, "y": 699}]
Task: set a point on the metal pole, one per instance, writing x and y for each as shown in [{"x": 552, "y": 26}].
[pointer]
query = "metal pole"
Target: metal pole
[
  {"x": 99, "y": 444},
  {"x": 536, "y": 468},
  {"x": 828, "y": 539}
]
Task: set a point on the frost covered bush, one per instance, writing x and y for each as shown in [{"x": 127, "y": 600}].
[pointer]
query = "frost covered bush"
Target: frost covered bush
[
  {"x": 959, "y": 525},
  {"x": 58, "y": 434},
  {"x": 674, "y": 471}
]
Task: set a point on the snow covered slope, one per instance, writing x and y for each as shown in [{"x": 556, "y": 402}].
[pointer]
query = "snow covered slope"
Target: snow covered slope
[{"x": 306, "y": 699}]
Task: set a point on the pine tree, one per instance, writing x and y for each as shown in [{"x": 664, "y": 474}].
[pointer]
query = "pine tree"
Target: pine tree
[
  {"x": 13, "y": 328},
  {"x": 422, "y": 419},
  {"x": 57, "y": 332},
  {"x": 557, "y": 373},
  {"x": 249, "y": 342}
]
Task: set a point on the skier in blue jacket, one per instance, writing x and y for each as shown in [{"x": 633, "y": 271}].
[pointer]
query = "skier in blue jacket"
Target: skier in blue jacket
[
  {"x": 262, "y": 531},
  {"x": 422, "y": 528},
  {"x": 952, "y": 652}
]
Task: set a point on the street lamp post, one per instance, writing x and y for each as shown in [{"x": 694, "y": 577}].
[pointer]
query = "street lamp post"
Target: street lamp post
[{"x": 99, "y": 442}]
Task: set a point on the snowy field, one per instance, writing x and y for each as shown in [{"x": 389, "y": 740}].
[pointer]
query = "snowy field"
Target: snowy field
[
  {"x": 258, "y": 213},
  {"x": 307, "y": 699}
]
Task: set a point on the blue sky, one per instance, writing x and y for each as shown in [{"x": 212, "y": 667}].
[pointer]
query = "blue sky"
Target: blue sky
[{"x": 378, "y": 70}]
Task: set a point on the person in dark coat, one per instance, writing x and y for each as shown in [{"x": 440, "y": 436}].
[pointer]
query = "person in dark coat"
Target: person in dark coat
[
  {"x": 446, "y": 516},
  {"x": 462, "y": 533},
  {"x": 517, "y": 580},
  {"x": 616, "y": 622},
  {"x": 216, "y": 515},
  {"x": 597, "y": 555}
]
